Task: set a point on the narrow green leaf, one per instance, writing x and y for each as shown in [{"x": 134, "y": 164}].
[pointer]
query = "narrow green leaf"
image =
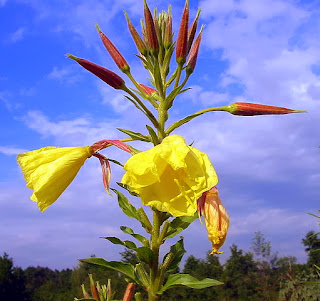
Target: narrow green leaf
[
  {"x": 153, "y": 135},
  {"x": 178, "y": 251},
  {"x": 126, "y": 187},
  {"x": 127, "y": 243},
  {"x": 176, "y": 280},
  {"x": 115, "y": 161},
  {"x": 125, "y": 205},
  {"x": 85, "y": 299},
  {"x": 135, "y": 135},
  {"x": 125, "y": 268},
  {"x": 179, "y": 224},
  {"x": 138, "y": 237}
]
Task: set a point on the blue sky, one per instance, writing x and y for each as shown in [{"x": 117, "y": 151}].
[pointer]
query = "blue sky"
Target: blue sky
[{"x": 252, "y": 50}]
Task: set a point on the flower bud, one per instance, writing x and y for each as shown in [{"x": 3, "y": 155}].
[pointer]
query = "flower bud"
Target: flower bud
[
  {"x": 104, "y": 74},
  {"x": 148, "y": 90},
  {"x": 84, "y": 292},
  {"x": 129, "y": 292},
  {"x": 252, "y": 109},
  {"x": 114, "y": 52},
  {"x": 182, "y": 40},
  {"x": 192, "y": 60},
  {"x": 94, "y": 291},
  {"x": 168, "y": 31},
  {"x": 216, "y": 218},
  {"x": 192, "y": 30},
  {"x": 153, "y": 42},
  {"x": 136, "y": 37}
]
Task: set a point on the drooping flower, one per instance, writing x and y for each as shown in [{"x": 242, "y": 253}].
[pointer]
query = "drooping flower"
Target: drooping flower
[
  {"x": 216, "y": 218},
  {"x": 49, "y": 171},
  {"x": 171, "y": 176}
]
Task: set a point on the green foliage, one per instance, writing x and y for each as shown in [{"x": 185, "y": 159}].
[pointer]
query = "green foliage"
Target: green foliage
[
  {"x": 243, "y": 278},
  {"x": 12, "y": 281},
  {"x": 260, "y": 246},
  {"x": 179, "y": 224},
  {"x": 312, "y": 247},
  {"x": 125, "y": 268},
  {"x": 175, "y": 280}
]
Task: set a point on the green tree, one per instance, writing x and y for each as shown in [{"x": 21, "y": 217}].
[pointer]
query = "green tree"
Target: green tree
[
  {"x": 239, "y": 276},
  {"x": 12, "y": 281},
  {"x": 312, "y": 247}
]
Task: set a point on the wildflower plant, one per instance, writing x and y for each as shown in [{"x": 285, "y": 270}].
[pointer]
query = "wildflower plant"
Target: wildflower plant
[{"x": 174, "y": 180}]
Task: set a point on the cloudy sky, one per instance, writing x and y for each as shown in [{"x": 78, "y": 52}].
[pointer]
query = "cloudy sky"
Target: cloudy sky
[{"x": 263, "y": 51}]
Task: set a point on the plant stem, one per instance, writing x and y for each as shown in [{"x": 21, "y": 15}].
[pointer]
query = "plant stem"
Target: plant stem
[{"x": 155, "y": 246}]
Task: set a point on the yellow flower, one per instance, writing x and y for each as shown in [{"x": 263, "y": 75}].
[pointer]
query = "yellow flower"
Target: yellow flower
[
  {"x": 171, "y": 176},
  {"x": 49, "y": 171},
  {"x": 216, "y": 218}
]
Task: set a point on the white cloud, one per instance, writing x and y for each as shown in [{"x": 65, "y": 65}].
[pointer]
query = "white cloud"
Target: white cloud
[
  {"x": 63, "y": 75},
  {"x": 9, "y": 150},
  {"x": 258, "y": 42},
  {"x": 18, "y": 35},
  {"x": 80, "y": 131},
  {"x": 113, "y": 98},
  {"x": 3, "y": 2}
]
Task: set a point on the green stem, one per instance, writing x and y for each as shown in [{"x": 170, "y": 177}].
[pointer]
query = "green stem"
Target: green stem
[
  {"x": 154, "y": 268},
  {"x": 180, "y": 122},
  {"x": 146, "y": 110},
  {"x": 137, "y": 85},
  {"x": 179, "y": 70}
]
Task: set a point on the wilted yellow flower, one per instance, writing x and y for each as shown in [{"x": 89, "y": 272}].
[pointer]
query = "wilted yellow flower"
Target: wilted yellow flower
[
  {"x": 49, "y": 171},
  {"x": 171, "y": 176},
  {"x": 216, "y": 218}
]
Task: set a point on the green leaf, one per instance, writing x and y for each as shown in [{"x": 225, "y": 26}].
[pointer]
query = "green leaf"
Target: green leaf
[
  {"x": 125, "y": 268},
  {"x": 126, "y": 187},
  {"x": 138, "y": 237},
  {"x": 125, "y": 205},
  {"x": 176, "y": 280},
  {"x": 135, "y": 135},
  {"x": 85, "y": 299},
  {"x": 145, "y": 254},
  {"x": 179, "y": 224},
  {"x": 127, "y": 243},
  {"x": 153, "y": 135},
  {"x": 115, "y": 161},
  {"x": 177, "y": 251}
]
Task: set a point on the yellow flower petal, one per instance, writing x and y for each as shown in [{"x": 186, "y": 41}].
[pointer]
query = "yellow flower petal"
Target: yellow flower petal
[
  {"x": 216, "y": 218},
  {"x": 171, "y": 176},
  {"x": 49, "y": 171}
]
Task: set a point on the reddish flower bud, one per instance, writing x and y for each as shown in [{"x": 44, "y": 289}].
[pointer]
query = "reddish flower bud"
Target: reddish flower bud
[
  {"x": 136, "y": 37},
  {"x": 104, "y": 74},
  {"x": 252, "y": 109},
  {"x": 94, "y": 291},
  {"x": 147, "y": 90},
  {"x": 114, "y": 52},
  {"x": 168, "y": 31},
  {"x": 192, "y": 60},
  {"x": 192, "y": 30},
  {"x": 128, "y": 295},
  {"x": 182, "y": 40},
  {"x": 150, "y": 30}
]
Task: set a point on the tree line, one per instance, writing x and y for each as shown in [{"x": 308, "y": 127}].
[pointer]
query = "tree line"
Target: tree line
[{"x": 255, "y": 275}]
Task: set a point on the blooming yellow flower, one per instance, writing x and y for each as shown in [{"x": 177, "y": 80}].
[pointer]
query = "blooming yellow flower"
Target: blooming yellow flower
[
  {"x": 49, "y": 171},
  {"x": 171, "y": 176},
  {"x": 216, "y": 218}
]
